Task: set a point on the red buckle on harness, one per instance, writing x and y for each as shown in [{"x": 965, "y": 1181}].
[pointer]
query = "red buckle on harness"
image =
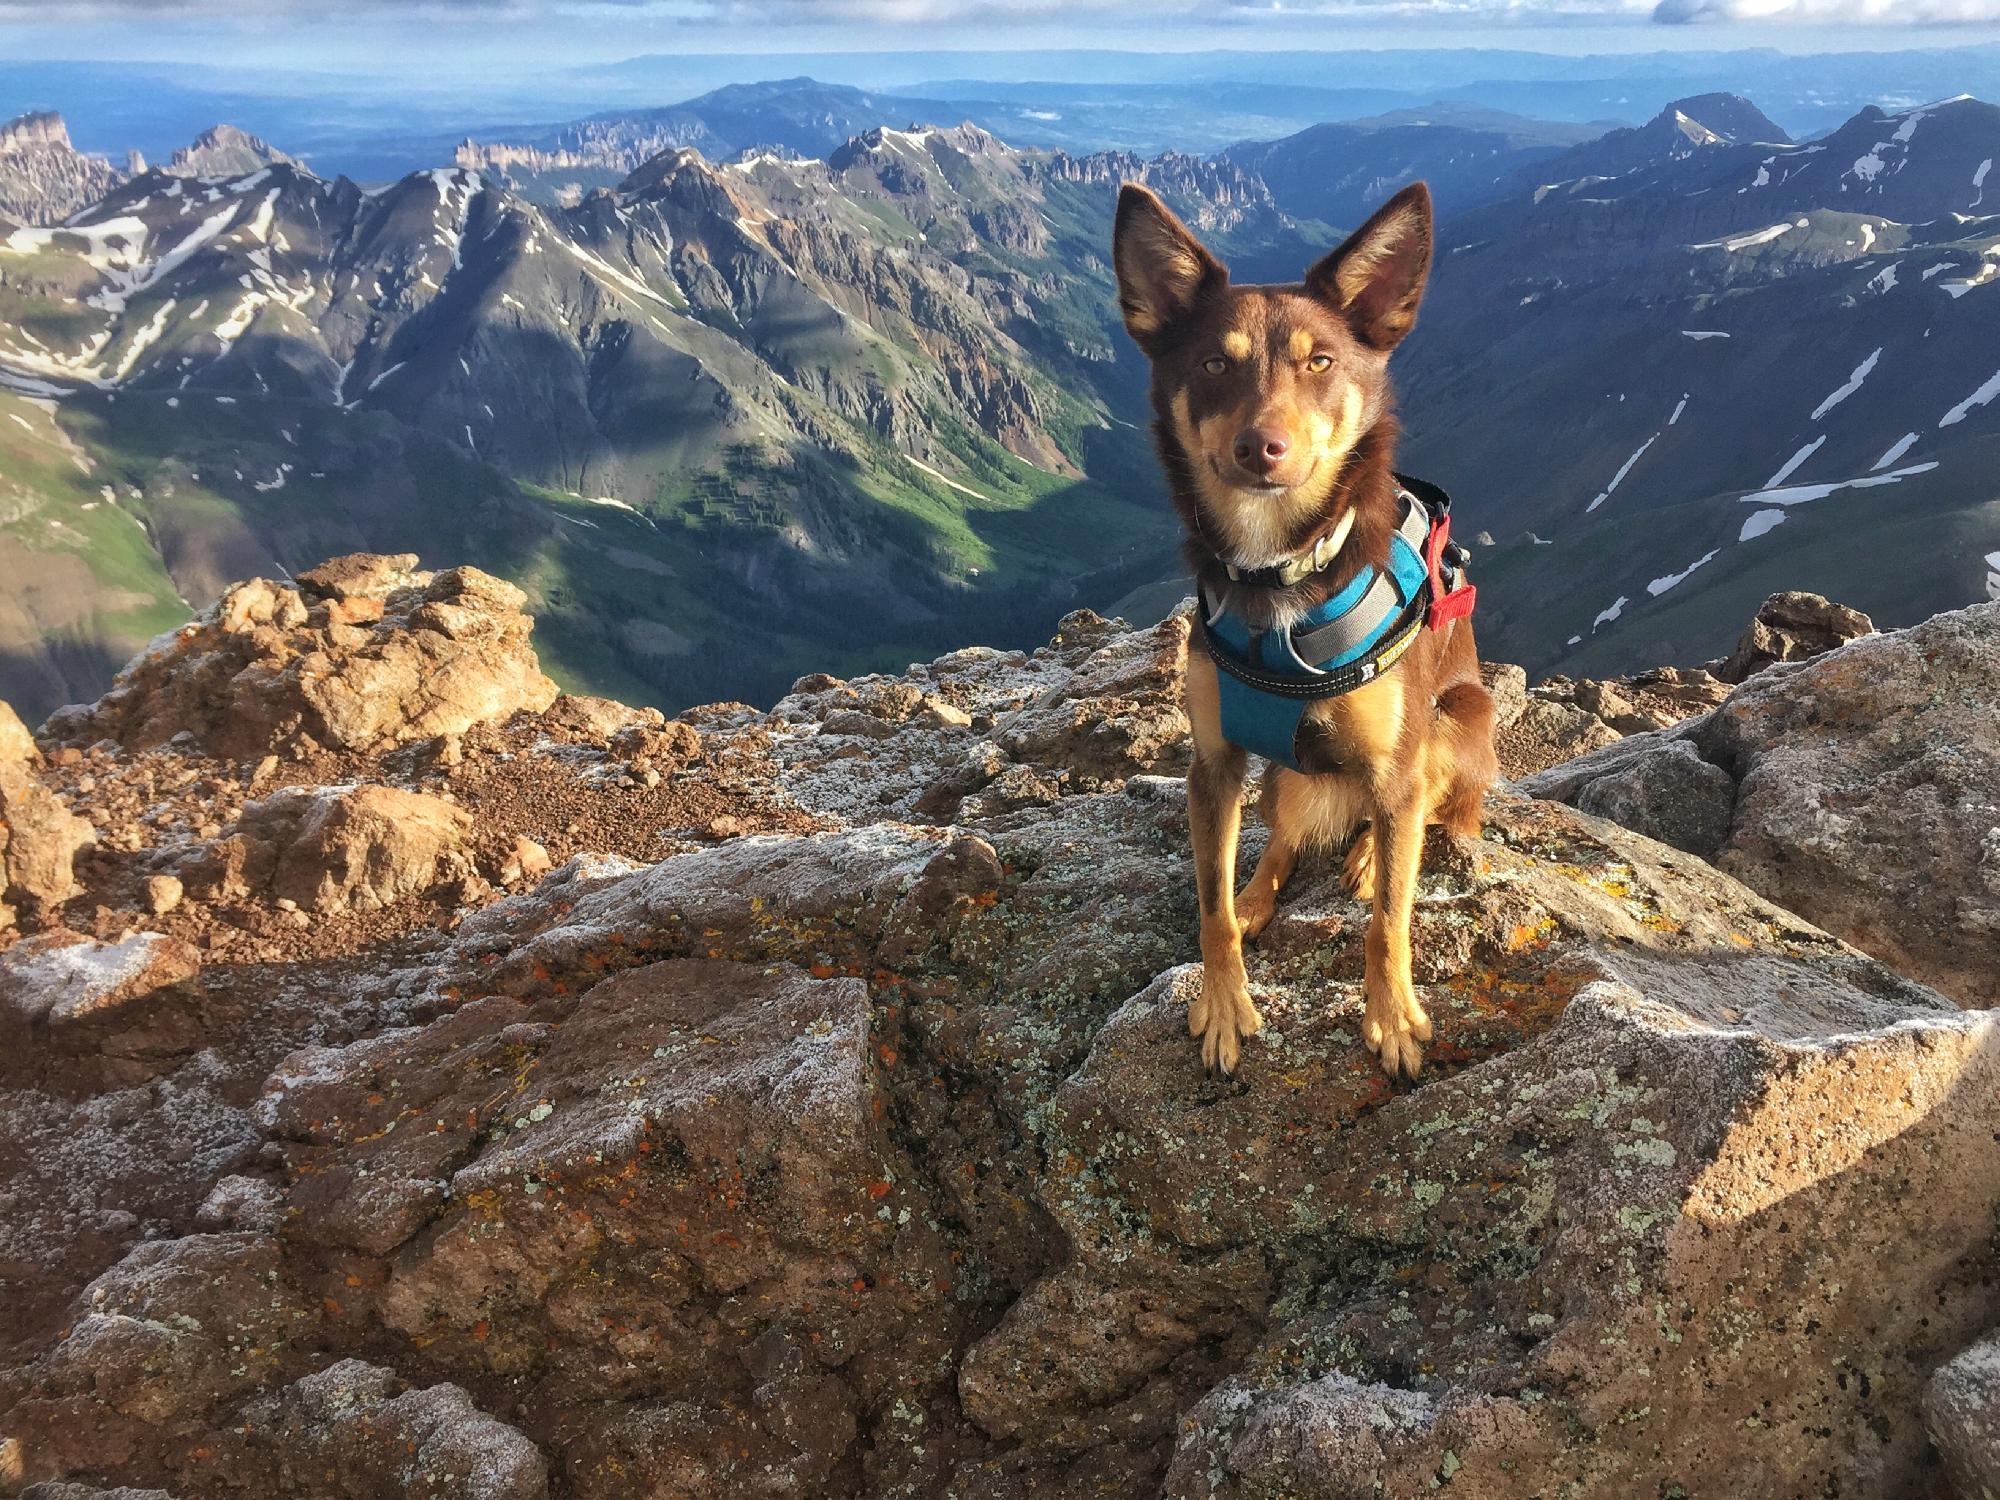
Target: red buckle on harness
[{"x": 1450, "y": 604}]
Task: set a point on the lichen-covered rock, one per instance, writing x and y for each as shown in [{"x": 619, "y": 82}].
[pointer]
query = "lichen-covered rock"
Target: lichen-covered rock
[
  {"x": 326, "y": 848},
  {"x": 1096, "y": 705},
  {"x": 875, "y": 1158},
  {"x": 159, "y": 1346},
  {"x": 352, "y": 1431},
  {"x": 1962, "y": 1410},
  {"x": 1620, "y": 1350},
  {"x": 1792, "y": 626},
  {"x": 1865, "y": 793},
  {"x": 362, "y": 653}
]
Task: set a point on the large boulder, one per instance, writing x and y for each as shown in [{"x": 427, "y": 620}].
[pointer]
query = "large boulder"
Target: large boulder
[
  {"x": 1862, "y": 790},
  {"x": 39, "y": 836},
  {"x": 1791, "y": 627},
  {"x": 61, "y": 979},
  {"x": 1962, "y": 1409},
  {"x": 328, "y": 848},
  {"x": 360, "y": 654}
]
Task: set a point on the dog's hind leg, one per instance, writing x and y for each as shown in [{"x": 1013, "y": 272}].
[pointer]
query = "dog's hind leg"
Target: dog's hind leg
[
  {"x": 1357, "y": 872},
  {"x": 1258, "y": 901},
  {"x": 1465, "y": 715}
]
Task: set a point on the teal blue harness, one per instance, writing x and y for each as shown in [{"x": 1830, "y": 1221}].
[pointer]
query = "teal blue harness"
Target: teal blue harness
[{"x": 1268, "y": 678}]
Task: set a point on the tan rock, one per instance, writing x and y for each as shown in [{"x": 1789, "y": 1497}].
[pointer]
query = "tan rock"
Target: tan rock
[
  {"x": 163, "y": 893},
  {"x": 39, "y": 842},
  {"x": 525, "y": 863},
  {"x": 1791, "y": 627},
  {"x": 362, "y": 654},
  {"x": 327, "y": 848},
  {"x": 17, "y": 745}
]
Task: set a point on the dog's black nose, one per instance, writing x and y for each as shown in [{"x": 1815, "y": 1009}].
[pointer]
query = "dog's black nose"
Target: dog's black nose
[{"x": 1259, "y": 449}]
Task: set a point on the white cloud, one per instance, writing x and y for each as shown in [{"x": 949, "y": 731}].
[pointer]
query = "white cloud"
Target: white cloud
[
  {"x": 1830, "y": 12},
  {"x": 1000, "y": 12}
]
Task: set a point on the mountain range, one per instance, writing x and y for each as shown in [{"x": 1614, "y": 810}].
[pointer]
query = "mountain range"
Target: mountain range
[
  {"x": 1735, "y": 366},
  {"x": 842, "y": 402},
  {"x": 722, "y": 421}
]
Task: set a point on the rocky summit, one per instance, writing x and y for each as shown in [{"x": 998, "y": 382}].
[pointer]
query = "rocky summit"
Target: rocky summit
[{"x": 429, "y": 1084}]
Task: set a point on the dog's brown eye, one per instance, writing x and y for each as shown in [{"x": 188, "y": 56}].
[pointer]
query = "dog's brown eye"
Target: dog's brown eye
[
  {"x": 1215, "y": 364},
  {"x": 1319, "y": 364}
]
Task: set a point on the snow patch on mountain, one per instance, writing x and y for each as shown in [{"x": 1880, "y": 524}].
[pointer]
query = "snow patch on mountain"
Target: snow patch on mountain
[
  {"x": 1805, "y": 494},
  {"x": 1626, "y": 467},
  {"x": 1896, "y": 450},
  {"x": 1760, "y": 522},
  {"x": 1660, "y": 585},
  {"x": 1754, "y": 238},
  {"x": 1792, "y": 465},
  {"x": 1852, "y": 384},
  {"x": 1978, "y": 398}
]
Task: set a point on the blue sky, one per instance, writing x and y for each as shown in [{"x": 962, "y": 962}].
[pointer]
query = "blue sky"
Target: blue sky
[{"x": 395, "y": 36}]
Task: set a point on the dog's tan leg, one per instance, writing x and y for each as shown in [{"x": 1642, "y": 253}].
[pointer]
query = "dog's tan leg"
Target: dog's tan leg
[
  {"x": 1357, "y": 873},
  {"x": 1393, "y": 1023},
  {"x": 1223, "y": 1015},
  {"x": 1258, "y": 901}
]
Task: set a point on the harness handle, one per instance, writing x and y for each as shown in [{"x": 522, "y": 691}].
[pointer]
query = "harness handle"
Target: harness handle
[{"x": 1448, "y": 601}]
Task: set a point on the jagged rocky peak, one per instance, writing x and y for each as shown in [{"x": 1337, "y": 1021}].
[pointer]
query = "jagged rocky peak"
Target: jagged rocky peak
[
  {"x": 224, "y": 151},
  {"x": 661, "y": 171},
  {"x": 964, "y": 137},
  {"x": 43, "y": 177},
  {"x": 38, "y": 128},
  {"x": 1714, "y": 119}
]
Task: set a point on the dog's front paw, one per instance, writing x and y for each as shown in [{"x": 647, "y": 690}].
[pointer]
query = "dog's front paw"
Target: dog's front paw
[
  {"x": 1222, "y": 1017},
  {"x": 1395, "y": 1032}
]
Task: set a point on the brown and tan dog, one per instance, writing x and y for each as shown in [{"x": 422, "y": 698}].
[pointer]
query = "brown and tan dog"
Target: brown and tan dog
[{"x": 1274, "y": 421}]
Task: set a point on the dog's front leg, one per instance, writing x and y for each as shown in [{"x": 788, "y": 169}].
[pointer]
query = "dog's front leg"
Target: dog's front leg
[
  {"x": 1393, "y": 1024},
  {"x": 1223, "y": 1015}
]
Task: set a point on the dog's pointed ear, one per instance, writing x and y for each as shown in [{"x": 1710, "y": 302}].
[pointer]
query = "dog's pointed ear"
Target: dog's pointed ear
[
  {"x": 1376, "y": 279},
  {"x": 1163, "y": 270}
]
